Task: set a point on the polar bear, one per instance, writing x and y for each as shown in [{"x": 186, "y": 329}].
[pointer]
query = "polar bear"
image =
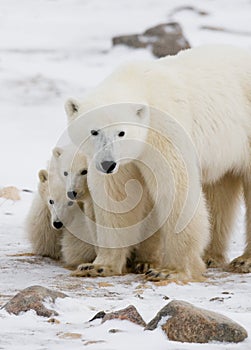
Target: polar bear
[
  {"x": 207, "y": 91},
  {"x": 67, "y": 217},
  {"x": 44, "y": 236},
  {"x": 70, "y": 164},
  {"x": 58, "y": 227},
  {"x": 124, "y": 194}
]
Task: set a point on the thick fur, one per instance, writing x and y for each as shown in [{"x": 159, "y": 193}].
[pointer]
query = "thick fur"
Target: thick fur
[
  {"x": 224, "y": 194},
  {"x": 208, "y": 91},
  {"x": 69, "y": 242},
  {"x": 171, "y": 255},
  {"x": 70, "y": 165},
  {"x": 45, "y": 239},
  {"x": 118, "y": 208}
]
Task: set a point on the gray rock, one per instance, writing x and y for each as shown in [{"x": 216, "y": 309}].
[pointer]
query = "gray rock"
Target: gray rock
[
  {"x": 164, "y": 39},
  {"x": 32, "y": 298},
  {"x": 130, "y": 314},
  {"x": 183, "y": 322}
]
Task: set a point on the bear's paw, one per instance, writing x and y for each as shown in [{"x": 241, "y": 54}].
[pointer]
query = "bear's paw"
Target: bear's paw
[
  {"x": 242, "y": 264},
  {"x": 141, "y": 267},
  {"x": 91, "y": 270},
  {"x": 214, "y": 261},
  {"x": 168, "y": 275}
]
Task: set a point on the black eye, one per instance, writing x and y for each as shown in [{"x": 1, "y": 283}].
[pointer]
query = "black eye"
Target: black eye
[
  {"x": 70, "y": 203},
  {"x": 94, "y": 132},
  {"x": 51, "y": 201},
  {"x": 121, "y": 134},
  {"x": 65, "y": 173},
  {"x": 83, "y": 172}
]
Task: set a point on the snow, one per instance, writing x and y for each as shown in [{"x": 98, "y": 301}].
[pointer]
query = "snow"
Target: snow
[{"x": 50, "y": 50}]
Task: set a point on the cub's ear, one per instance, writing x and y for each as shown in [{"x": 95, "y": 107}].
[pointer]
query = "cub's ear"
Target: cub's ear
[
  {"x": 43, "y": 176},
  {"x": 72, "y": 108},
  {"x": 57, "y": 151}
]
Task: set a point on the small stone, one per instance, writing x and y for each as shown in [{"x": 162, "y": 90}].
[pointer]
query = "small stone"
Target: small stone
[
  {"x": 163, "y": 39},
  {"x": 100, "y": 314},
  {"x": 105, "y": 284},
  {"x": 69, "y": 335},
  {"x": 115, "y": 330},
  {"x": 53, "y": 320},
  {"x": 183, "y": 322},
  {"x": 217, "y": 299},
  {"x": 130, "y": 314},
  {"x": 32, "y": 298},
  {"x": 91, "y": 342}
]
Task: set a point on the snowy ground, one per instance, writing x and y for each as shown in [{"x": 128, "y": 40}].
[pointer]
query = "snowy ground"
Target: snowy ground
[{"x": 50, "y": 50}]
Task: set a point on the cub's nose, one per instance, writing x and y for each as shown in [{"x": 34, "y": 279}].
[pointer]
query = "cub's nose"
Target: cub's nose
[
  {"x": 57, "y": 224},
  {"x": 108, "y": 166},
  {"x": 72, "y": 194}
]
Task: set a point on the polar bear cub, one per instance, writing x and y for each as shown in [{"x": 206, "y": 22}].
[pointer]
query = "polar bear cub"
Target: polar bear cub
[
  {"x": 44, "y": 237},
  {"x": 68, "y": 217},
  {"x": 71, "y": 166},
  {"x": 58, "y": 226}
]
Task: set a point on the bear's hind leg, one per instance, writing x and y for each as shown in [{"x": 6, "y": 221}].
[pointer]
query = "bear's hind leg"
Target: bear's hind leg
[
  {"x": 242, "y": 264},
  {"x": 222, "y": 201}
]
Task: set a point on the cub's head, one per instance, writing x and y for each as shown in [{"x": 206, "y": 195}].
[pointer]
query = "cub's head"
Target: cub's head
[
  {"x": 71, "y": 166},
  {"x": 110, "y": 135},
  {"x": 62, "y": 210}
]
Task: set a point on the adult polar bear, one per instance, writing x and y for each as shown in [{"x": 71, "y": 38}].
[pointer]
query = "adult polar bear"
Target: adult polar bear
[{"x": 208, "y": 92}]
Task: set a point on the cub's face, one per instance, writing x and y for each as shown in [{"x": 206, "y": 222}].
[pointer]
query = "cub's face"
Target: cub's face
[
  {"x": 112, "y": 135},
  {"x": 62, "y": 210},
  {"x": 72, "y": 168}
]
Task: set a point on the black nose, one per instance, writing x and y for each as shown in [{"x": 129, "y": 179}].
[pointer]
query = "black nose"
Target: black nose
[
  {"x": 57, "y": 224},
  {"x": 72, "y": 194},
  {"x": 108, "y": 166}
]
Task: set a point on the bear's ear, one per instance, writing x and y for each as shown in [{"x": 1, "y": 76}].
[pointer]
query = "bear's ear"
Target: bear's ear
[
  {"x": 57, "y": 151},
  {"x": 71, "y": 107},
  {"x": 43, "y": 176},
  {"x": 142, "y": 111}
]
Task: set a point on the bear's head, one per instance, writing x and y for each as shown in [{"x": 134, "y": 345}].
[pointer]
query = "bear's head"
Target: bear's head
[
  {"x": 62, "y": 210},
  {"x": 71, "y": 166},
  {"x": 110, "y": 135}
]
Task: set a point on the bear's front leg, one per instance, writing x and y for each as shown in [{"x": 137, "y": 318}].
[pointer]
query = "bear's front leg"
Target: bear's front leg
[
  {"x": 109, "y": 262},
  {"x": 182, "y": 252}
]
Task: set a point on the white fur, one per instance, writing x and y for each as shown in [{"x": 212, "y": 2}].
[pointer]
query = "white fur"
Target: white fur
[
  {"x": 51, "y": 206},
  {"x": 207, "y": 90},
  {"x": 45, "y": 240},
  {"x": 70, "y": 165}
]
